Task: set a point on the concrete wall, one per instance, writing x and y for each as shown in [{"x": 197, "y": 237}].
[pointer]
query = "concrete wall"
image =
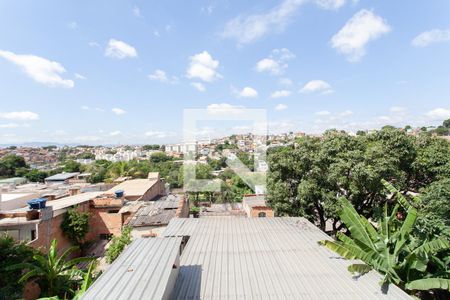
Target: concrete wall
[{"x": 158, "y": 189}]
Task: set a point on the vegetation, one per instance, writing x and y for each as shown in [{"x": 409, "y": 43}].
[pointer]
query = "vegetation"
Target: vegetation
[
  {"x": 118, "y": 244},
  {"x": 306, "y": 179},
  {"x": 392, "y": 249},
  {"x": 75, "y": 225},
  {"x": 12, "y": 253},
  {"x": 56, "y": 275},
  {"x": 10, "y": 163}
]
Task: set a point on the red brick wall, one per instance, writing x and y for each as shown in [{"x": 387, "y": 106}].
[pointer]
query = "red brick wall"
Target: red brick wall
[
  {"x": 102, "y": 222},
  {"x": 51, "y": 229}
]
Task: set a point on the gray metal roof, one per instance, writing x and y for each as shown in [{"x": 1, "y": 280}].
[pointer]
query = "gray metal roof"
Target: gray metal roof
[
  {"x": 61, "y": 176},
  {"x": 265, "y": 258},
  {"x": 140, "y": 272}
]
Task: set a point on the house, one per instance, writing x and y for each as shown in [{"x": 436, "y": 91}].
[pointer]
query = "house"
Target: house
[
  {"x": 10, "y": 201},
  {"x": 13, "y": 181},
  {"x": 152, "y": 217},
  {"x": 236, "y": 258},
  {"x": 40, "y": 226},
  {"x": 61, "y": 177},
  {"x": 255, "y": 206},
  {"x": 141, "y": 189}
]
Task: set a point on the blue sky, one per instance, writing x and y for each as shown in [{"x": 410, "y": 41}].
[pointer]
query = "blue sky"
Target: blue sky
[{"x": 123, "y": 71}]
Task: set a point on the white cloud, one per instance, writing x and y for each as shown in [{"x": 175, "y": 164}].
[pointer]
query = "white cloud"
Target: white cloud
[
  {"x": 207, "y": 9},
  {"x": 118, "y": 111},
  {"x": 247, "y": 92},
  {"x": 156, "y": 33},
  {"x": 120, "y": 50},
  {"x": 280, "y": 94},
  {"x": 323, "y": 113},
  {"x": 86, "y": 138},
  {"x": 137, "y": 12},
  {"x": 39, "y": 69},
  {"x": 199, "y": 86},
  {"x": 19, "y": 116},
  {"x": 94, "y": 44},
  {"x": 268, "y": 65},
  {"x": 317, "y": 86},
  {"x": 73, "y": 25},
  {"x": 330, "y": 4},
  {"x": 398, "y": 109},
  {"x": 346, "y": 113},
  {"x": 115, "y": 133},
  {"x": 84, "y": 107},
  {"x": 430, "y": 37},
  {"x": 247, "y": 29},
  {"x": 275, "y": 63},
  {"x": 225, "y": 108},
  {"x": 79, "y": 76},
  {"x": 438, "y": 114},
  {"x": 158, "y": 75},
  {"x": 159, "y": 134},
  {"x": 203, "y": 66},
  {"x": 9, "y": 125},
  {"x": 281, "y": 107},
  {"x": 285, "y": 81},
  {"x": 362, "y": 28}
]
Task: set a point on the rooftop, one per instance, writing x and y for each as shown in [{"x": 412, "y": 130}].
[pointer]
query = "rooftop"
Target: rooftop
[
  {"x": 61, "y": 176},
  {"x": 265, "y": 258},
  {"x": 140, "y": 272},
  {"x": 158, "y": 212},
  {"x": 134, "y": 187},
  {"x": 255, "y": 200}
]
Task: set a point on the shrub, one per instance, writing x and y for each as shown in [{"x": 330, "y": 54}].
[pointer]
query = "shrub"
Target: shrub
[
  {"x": 118, "y": 243},
  {"x": 75, "y": 225}
]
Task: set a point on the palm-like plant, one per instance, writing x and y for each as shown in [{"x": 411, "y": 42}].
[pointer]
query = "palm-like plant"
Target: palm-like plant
[
  {"x": 56, "y": 273},
  {"x": 390, "y": 248}
]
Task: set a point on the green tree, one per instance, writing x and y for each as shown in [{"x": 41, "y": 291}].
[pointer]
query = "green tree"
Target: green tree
[
  {"x": 12, "y": 253},
  {"x": 390, "y": 248},
  {"x": 35, "y": 175},
  {"x": 446, "y": 123},
  {"x": 118, "y": 244},
  {"x": 71, "y": 166},
  {"x": 75, "y": 225},
  {"x": 56, "y": 275},
  {"x": 10, "y": 163},
  {"x": 434, "y": 213}
]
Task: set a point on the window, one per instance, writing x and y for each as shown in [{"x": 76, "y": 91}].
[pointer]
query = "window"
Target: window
[
  {"x": 33, "y": 234},
  {"x": 105, "y": 236},
  {"x": 113, "y": 211},
  {"x": 261, "y": 215}
]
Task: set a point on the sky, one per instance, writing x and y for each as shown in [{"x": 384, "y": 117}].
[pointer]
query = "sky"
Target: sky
[{"x": 123, "y": 72}]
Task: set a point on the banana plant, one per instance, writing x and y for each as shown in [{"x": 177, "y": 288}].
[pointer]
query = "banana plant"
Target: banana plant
[
  {"x": 389, "y": 247},
  {"x": 56, "y": 273}
]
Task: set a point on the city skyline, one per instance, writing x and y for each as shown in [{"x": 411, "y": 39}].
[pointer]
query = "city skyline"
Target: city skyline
[{"x": 102, "y": 73}]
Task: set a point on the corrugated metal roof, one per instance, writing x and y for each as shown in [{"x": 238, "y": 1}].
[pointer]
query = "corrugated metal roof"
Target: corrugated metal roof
[
  {"x": 265, "y": 258},
  {"x": 61, "y": 176},
  {"x": 72, "y": 200},
  {"x": 140, "y": 272}
]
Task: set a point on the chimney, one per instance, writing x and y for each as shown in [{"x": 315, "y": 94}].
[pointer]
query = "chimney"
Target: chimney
[{"x": 74, "y": 191}]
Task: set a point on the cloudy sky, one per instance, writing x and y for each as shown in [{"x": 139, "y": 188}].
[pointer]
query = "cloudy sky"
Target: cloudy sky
[{"x": 124, "y": 71}]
